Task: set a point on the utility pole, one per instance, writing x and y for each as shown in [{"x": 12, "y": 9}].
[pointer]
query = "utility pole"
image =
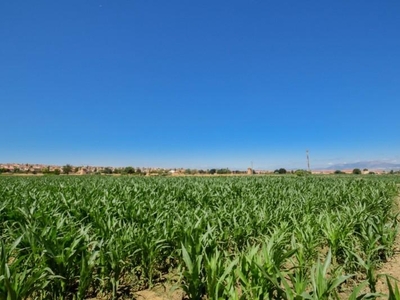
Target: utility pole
[{"x": 308, "y": 162}]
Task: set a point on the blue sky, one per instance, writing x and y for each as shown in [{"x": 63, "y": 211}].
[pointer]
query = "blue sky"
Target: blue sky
[{"x": 199, "y": 84}]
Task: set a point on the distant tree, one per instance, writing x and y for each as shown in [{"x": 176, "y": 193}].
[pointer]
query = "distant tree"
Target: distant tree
[
  {"x": 302, "y": 172},
  {"x": 57, "y": 172},
  {"x": 212, "y": 171},
  {"x": 138, "y": 171},
  {"x": 371, "y": 173},
  {"x": 187, "y": 172},
  {"x": 76, "y": 170},
  {"x": 356, "y": 171},
  {"x": 338, "y": 172},
  {"x": 391, "y": 172},
  {"x": 107, "y": 171},
  {"x": 223, "y": 171},
  {"x": 282, "y": 171},
  {"x": 67, "y": 169},
  {"x": 365, "y": 170},
  {"x": 129, "y": 170},
  {"x": 46, "y": 170}
]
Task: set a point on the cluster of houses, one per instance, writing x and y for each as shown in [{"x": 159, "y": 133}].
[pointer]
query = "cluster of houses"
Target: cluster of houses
[
  {"x": 78, "y": 170},
  {"x": 82, "y": 170},
  {"x": 27, "y": 168}
]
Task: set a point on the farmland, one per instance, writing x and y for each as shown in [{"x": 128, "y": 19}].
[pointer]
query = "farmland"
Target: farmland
[{"x": 216, "y": 238}]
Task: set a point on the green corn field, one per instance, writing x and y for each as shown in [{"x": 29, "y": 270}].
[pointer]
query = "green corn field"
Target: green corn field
[{"x": 271, "y": 237}]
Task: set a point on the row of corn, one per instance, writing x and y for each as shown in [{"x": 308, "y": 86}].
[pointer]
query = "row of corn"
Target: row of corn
[{"x": 214, "y": 238}]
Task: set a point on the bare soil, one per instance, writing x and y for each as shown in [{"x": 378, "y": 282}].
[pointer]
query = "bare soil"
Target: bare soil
[{"x": 160, "y": 292}]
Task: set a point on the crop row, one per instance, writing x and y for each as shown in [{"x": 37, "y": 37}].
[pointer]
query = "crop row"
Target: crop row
[{"x": 221, "y": 238}]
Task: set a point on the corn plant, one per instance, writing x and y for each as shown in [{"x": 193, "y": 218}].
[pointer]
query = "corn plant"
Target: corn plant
[
  {"x": 324, "y": 285},
  {"x": 19, "y": 279},
  {"x": 219, "y": 274},
  {"x": 394, "y": 292},
  {"x": 194, "y": 285}
]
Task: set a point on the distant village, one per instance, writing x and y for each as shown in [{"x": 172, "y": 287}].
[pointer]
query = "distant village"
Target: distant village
[
  {"x": 17, "y": 168},
  {"x": 42, "y": 169}
]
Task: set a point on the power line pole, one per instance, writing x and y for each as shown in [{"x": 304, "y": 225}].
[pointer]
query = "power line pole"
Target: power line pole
[{"x": 308, "y": 161}]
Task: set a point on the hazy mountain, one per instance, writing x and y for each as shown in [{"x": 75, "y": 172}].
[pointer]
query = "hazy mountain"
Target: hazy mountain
[{"x": 370, "y": 165}]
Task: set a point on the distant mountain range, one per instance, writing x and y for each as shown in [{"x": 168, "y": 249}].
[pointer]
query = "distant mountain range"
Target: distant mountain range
[{"x": 370, "y": 165}]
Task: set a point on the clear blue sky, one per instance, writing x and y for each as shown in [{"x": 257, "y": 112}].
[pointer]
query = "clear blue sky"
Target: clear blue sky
[{"x": 199, "y": 84}]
